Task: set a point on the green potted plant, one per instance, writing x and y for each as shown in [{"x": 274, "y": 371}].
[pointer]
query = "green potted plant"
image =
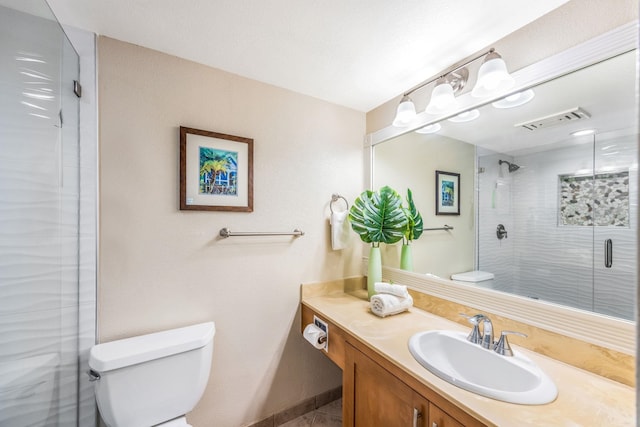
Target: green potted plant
[
  {"x": 412, "y": 232},
  {"x": 378, "y": 217}
]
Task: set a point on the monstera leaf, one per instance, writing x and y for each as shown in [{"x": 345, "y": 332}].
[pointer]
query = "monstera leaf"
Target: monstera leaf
[
  {"x": 414, "y": 220},
  {"x": 378, "y": 217}
]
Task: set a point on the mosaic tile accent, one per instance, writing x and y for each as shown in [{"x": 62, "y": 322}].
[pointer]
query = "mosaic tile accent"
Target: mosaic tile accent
[{"x": 600, "y": 200}]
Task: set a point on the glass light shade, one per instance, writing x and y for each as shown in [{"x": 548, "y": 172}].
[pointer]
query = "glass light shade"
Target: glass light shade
[
  {"x": 493, "y": 77},
  {"x": 583, "y": 132},
  {"x": 515, "y": 100},
  {"x": 465, "y": 116},
  {"x": 405, "y": 113},
  {"x": 430, "y": 128},
  {"x": 442, "y": 99}
]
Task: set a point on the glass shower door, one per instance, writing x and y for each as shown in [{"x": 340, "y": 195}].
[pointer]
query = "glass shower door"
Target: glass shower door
[
  {"x": 615, "y": 204},
  {"x": 39, "y": 219}
]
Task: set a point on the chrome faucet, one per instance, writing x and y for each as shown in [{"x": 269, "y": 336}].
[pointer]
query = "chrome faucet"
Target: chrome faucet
[{"x": 484, "y": 338}]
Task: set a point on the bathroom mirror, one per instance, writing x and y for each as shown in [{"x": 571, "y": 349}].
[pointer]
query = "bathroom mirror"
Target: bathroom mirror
[{"x": 552, "y": 216}]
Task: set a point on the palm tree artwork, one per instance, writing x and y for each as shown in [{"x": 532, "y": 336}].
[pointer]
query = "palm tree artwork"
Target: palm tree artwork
[
  {"x": 218, "y": 172},
  {"x": 448, "y": 193}
]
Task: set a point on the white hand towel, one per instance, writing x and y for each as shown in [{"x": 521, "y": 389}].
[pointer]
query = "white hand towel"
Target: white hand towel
[
  {"x": 388, "y": 288},
  {"x": 339, "y": 230},
  {"x": 386, "y": 305}
]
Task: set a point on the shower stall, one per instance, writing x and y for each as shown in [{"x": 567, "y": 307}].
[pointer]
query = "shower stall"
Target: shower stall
[
  {"x": 47, "y": 224},
  {"x": 568, "y": 215}
]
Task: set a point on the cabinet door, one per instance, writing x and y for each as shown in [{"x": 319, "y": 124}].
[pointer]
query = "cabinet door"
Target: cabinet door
[
  {"x": 373, "y": 397},
  {"x": 439, "y": 418}
]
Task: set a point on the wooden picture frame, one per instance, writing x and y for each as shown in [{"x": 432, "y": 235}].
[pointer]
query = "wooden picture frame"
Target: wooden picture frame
[
  {"x": 216, "y": 171},
  {"x": 447, "y": 193}
]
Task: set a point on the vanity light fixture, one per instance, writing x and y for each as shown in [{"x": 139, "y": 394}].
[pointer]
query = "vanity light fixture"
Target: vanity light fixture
[
  {"x": 430, "y": 128},
  {"x": 493, "y": 77},
  {"x": 465, "y": 116},
  {"x": 515, "y": 100}
]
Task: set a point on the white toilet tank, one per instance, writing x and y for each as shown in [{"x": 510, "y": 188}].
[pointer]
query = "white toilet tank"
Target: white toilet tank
[{"x": 151, "y": 379}]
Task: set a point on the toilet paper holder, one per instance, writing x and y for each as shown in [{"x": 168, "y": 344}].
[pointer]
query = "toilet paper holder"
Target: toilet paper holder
[
  {"x": 320, "y": 338},
  {"x": 325, "y": 327}
]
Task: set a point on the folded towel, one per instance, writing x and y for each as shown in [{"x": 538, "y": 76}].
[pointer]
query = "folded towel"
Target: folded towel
[
  {"x": 388, "y": 288},
  {"x": 339, "y": 230},
  {"x": 386, "y": 304}
]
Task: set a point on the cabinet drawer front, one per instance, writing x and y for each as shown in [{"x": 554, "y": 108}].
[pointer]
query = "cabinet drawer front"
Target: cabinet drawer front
[{"x": 439, "y": 418}]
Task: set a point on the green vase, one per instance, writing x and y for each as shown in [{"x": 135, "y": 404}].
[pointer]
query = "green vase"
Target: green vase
[
  {"x": 375, "y": 270},
  {"x": 406, "y": 259}
]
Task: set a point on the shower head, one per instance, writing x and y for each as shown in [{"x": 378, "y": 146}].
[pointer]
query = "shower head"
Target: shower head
[{"x": 512, "y": 166}]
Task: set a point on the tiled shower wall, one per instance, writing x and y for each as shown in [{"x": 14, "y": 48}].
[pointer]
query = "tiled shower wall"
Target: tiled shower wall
[
  {"x": 542, "y": 258},
  {"x": 47, "y": 225}
]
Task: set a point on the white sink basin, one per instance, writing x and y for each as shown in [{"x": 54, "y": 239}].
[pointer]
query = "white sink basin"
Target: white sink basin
[{"x": 450, "y": 356}]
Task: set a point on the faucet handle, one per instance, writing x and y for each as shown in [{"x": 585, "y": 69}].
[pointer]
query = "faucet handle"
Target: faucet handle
[
  {"x": 502, "y": 347},
  {"x": 474, "y": 336}
]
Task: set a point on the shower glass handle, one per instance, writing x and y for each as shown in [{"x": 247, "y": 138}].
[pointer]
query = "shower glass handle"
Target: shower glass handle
[{"x": 608, "y": 253}]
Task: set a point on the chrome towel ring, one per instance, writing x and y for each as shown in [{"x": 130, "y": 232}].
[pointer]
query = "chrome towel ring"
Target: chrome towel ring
[{"x": 335, "y": 198}]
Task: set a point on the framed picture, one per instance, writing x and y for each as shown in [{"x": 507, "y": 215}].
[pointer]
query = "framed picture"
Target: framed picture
[
  {"x": 447, "y": 193},
  {"x": 216, "y": 171}
]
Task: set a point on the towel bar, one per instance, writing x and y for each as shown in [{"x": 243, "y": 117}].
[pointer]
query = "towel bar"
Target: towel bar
[
  {"x": 225, "y": 232},
  {"x": 445, "y": 228}
]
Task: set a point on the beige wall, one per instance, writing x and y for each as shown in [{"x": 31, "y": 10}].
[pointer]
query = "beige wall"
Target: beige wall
[
  {"x": 569, "y": 25},
  {"x": 410, "y": 161},
  {"x": 162, "y": 268}
]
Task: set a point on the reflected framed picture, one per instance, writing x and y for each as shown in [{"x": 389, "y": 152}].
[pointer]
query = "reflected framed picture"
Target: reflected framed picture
[
  {"x": 447, "y": 193},
  {"x": 216, "y": 171}
]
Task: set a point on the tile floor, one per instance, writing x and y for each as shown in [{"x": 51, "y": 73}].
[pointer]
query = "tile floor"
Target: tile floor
[{"x": 329, "y": 415}]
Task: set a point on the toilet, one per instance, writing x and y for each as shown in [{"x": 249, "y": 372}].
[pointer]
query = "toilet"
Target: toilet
[
  {"x": 153, "y": 379},
  {"x": 27, "y": 390},
  {"x": 477, "y": 277}
]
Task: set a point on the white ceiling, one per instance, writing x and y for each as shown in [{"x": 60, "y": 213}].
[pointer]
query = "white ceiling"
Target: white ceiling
[{"x": 355, "y": 53}]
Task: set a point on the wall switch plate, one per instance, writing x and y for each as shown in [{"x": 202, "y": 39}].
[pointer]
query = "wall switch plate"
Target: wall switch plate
[{"x": 325, "y": 327}]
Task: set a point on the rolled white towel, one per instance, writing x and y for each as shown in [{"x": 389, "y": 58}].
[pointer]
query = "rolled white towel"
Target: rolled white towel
[
  {"x": 388, "y": 288},
  {"x": 386, "y": 304}
]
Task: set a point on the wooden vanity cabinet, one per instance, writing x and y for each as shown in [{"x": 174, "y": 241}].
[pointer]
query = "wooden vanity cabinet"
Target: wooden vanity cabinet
[
  {"x": 373, "y": 396},
  {"x": 376, "y": 393}
]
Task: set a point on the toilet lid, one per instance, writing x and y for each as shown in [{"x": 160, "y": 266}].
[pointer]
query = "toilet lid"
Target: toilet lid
[
  {"x": 130, "y": 351},
  {"x": 472, "y": 276}
]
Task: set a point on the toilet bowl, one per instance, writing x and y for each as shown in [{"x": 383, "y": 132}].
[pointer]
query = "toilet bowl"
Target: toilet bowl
[
  {"x": 153, "y": 379},
  {"x": 27, "y": 388}
]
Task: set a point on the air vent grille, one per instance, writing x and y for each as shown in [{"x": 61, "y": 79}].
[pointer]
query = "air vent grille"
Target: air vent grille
[{"x": 564, "y": 117}]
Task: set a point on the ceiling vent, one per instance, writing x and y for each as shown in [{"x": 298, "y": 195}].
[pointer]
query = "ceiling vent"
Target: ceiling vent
[{"x": 564, "y": 117}]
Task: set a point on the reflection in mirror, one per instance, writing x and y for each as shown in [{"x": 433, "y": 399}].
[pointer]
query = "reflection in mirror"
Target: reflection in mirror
[
  {"x": 567, "y": 205},
  {"x": 411, "y": 161}
]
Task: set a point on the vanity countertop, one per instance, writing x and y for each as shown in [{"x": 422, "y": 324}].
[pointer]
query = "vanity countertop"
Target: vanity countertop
[{"x": 584, "y": 399}]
